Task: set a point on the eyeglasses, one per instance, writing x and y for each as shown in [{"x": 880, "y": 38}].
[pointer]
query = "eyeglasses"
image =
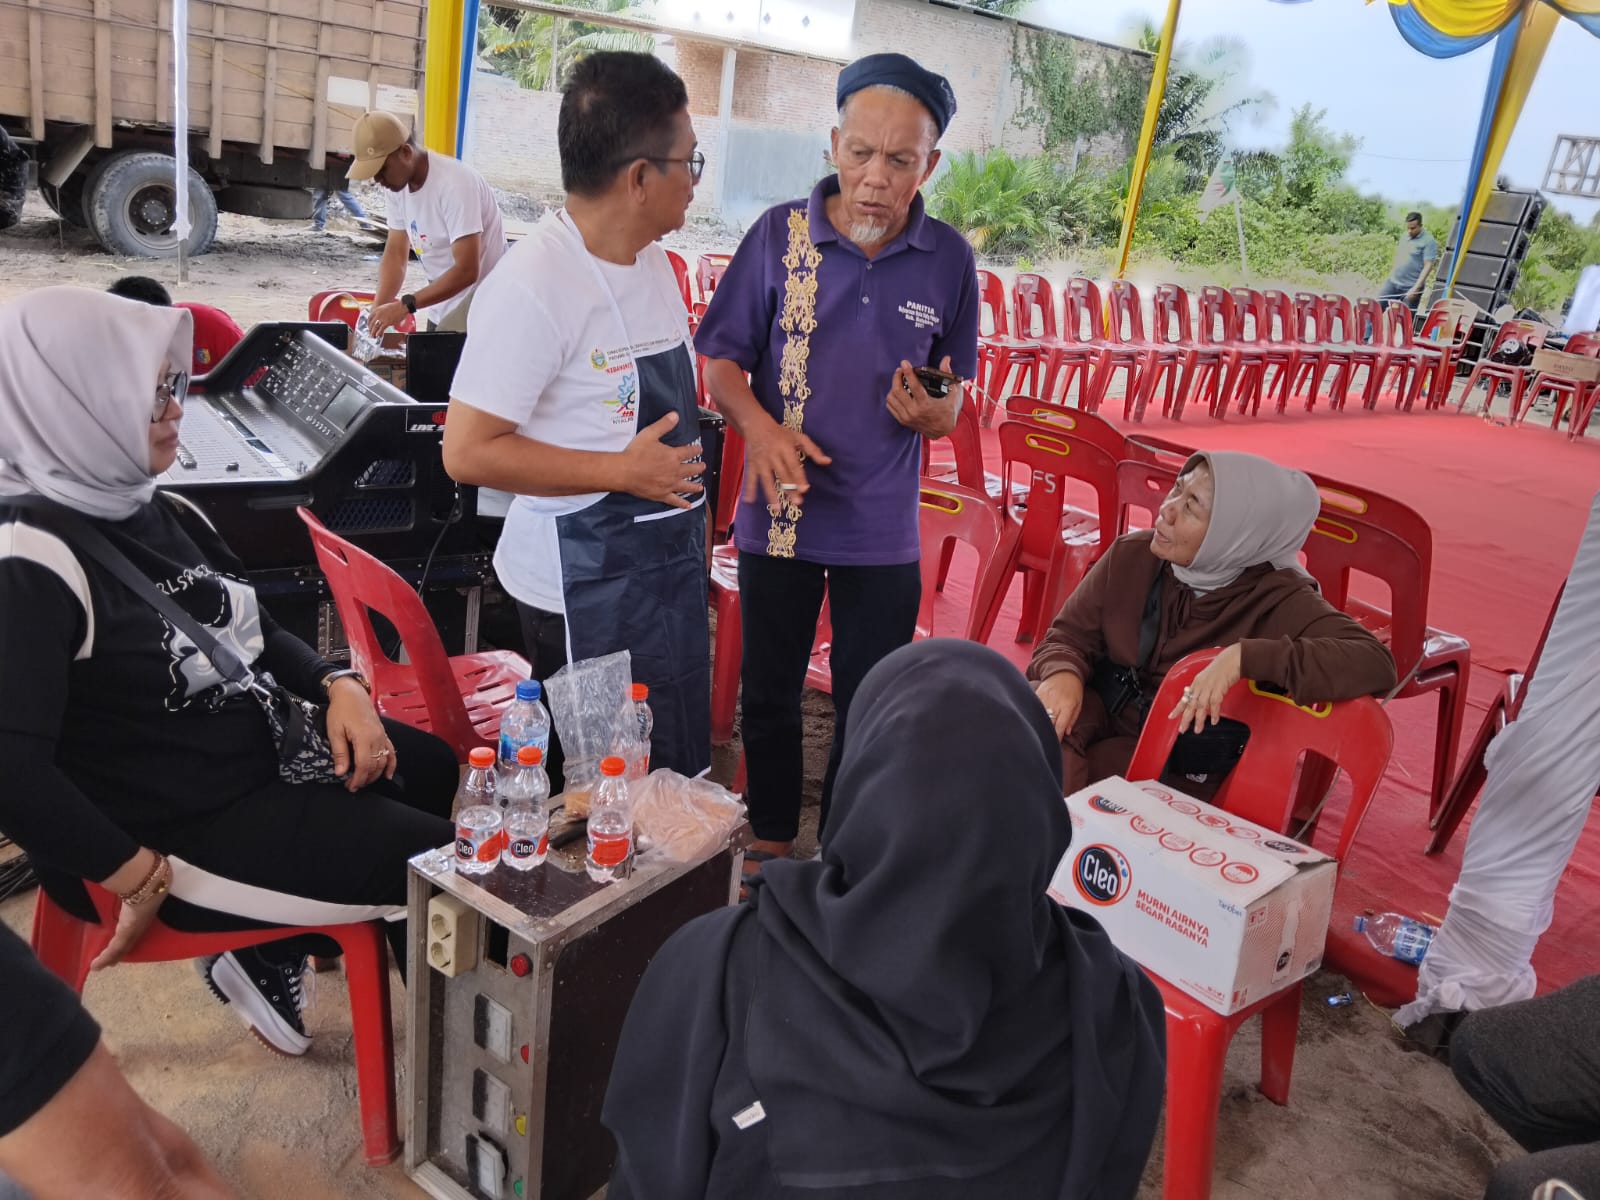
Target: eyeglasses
[
  {"x": 176, "y": 388},
  {"x": 696, "y": 163}
]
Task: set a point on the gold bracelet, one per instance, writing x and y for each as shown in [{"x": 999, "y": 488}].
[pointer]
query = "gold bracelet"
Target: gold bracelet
[{"x": 155, "y": 883}]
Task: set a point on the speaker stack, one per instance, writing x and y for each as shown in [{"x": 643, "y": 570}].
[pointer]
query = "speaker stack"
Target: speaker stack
[{"x": 1491, "y": 263}]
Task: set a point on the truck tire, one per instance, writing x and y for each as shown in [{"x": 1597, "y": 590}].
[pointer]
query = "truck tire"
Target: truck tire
[
  {"x": 13, "y": 181},
  {"x": 67, "y": 201},
  {"x": 130, "y": 200}
]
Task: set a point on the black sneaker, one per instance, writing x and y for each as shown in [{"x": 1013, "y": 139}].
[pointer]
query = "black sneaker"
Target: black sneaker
[{"x": 268, "y": 997}]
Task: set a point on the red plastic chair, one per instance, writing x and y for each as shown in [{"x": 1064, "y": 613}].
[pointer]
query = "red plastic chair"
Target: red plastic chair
[
  {"x": 724, "y": 588},
  {"x": 1503, "y": 709},
  {"x": 1033, "y": 316},
  {"x": 1083, "y": 351},
  {"x": 948, "y": 514},
  {"x": 680, "y": 271},
  {"x": 1354, "y": 735},
  {"x": 1056, "y": 543},
  {"x": 1446, "y": 330},
  {"x": 1339, "y": 343},
  {"x": 459, "y": 699},
  {"x": 1252, "y": 322},
  {"x": 999, "y": 353},
  {"x": 1530, "y": 334},
  {"x": 1364, "y": 531},
  {"x": 965, "y": 467},
  {"x": 1213, "y": 364},
  {"x": 1132, "y": 351},
  {"x": 1172, "y": 327},
  {"x": 1091, "y": 427},
  {"x": 346, "y": 306},
  {"x": 1372, "y": 351},
  {"x": 67, "y": 945},
  {"x": 708, "y": 272},
  {"x": 1565, "y": 391}
]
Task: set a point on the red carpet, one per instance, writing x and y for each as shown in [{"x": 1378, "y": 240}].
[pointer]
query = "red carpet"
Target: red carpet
[{"x": 1507, "y": 506}]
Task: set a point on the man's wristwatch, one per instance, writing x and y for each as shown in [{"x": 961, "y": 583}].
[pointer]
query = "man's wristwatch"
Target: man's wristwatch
[
  {"x": 331, "y": 677},
  {"x": 410, "y": 302}
]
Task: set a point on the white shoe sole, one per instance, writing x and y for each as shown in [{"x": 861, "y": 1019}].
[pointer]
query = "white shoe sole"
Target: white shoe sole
[{"x": 230, "y": 983}]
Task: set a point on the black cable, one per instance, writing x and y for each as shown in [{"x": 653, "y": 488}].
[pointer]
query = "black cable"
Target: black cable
[{"x": 427, "y": 564}]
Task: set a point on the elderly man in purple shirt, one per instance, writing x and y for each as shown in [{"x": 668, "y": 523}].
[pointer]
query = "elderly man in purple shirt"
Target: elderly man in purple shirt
[{"x": 830, "y": 306}]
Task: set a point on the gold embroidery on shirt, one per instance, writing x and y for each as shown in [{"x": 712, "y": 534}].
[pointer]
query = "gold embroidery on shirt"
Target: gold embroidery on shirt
[{"x": 798, "y": 320}]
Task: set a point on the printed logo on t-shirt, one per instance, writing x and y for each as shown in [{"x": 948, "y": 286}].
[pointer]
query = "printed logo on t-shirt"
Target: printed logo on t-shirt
[
  {"x": 626, "y": 405},
  {"x": 923, "y": 316},
  {"x": 229, "y": 610},
  {"x": 597, "y": 359},
  {"x": 419, "y": 240}
]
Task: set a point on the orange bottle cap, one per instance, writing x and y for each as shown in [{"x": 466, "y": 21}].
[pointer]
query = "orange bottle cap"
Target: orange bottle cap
[
  {"x": 641, "y": 691},
  {"x": 481, "y": 756},
  {"x": 529, "y": 756},
  {"x": 612, "y": 766}
]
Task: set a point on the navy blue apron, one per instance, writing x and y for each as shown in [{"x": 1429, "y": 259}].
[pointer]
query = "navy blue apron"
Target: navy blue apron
[{"x": 633, "y": 575}]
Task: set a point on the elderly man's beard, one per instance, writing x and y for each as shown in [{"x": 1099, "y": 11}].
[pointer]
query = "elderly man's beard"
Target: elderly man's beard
[{"x": 868, "y": 233}]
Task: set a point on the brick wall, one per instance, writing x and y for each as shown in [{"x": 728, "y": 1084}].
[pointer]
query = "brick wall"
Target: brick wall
[{"x": 511, "y": 136}]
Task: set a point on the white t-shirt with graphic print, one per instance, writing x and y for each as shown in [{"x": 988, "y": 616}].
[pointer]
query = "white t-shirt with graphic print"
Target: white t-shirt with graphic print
[
  {"x": 544, "y": 350},
  {"x": 453, "y": 202}
]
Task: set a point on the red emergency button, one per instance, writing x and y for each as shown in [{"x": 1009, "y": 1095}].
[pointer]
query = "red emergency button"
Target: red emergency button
[{"x": 521, "y": 965}]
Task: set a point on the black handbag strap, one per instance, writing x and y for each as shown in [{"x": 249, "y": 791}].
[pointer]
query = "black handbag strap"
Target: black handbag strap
[
  {"x": 85, "y": 537},
  {"x": 1150, "y": 622}
]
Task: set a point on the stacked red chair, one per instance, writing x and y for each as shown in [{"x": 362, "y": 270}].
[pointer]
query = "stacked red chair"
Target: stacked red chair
[{"x": 1214, "y": 363}]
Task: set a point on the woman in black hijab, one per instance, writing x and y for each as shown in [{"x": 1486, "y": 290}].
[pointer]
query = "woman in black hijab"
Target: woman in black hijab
[{"x": 910, "y": 1015}]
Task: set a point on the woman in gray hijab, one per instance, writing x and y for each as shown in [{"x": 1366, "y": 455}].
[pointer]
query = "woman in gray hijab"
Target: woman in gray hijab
[
  {"x": 130, "y": 758},
  {"x": 1220, "y": 567}
]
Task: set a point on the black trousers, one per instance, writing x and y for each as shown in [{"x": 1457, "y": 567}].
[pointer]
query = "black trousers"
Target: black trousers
[
  {"x": 874, "y": 612},
  {"x": 544, "y": 642},
  {"x": 1535, "y": 1068},
  {"x": 309, "y": 842}
]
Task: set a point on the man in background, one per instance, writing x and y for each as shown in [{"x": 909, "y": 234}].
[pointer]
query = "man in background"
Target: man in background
[
  {"x": 215, "y": 332},
  {"x": 1414, "y": 260},
  {"x": 439, "y": 207}
]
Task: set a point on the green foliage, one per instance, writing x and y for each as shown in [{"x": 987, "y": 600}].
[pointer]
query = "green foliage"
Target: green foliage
[
  {"x": 1558, "y": 251},
  {"x": 1070, "y": 99},
  {"x": 537, "y": 49},
  {"x": 1003, "y": 205}
]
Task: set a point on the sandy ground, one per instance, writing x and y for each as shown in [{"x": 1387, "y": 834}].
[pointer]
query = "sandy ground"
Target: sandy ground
[{"x": 1365, "y": 1119}]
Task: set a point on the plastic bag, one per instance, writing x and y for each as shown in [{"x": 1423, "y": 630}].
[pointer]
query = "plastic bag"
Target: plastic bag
[
  {"x": 366, "y": 346},
  {"x": 587, "y": 700},
  {"x": 683, "y": 819}
]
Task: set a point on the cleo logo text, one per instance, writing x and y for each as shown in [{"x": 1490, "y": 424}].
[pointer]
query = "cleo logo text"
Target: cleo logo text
[{"x": 1101, "y": 875}]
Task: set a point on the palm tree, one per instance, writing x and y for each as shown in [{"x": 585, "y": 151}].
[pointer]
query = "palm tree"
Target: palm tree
[
  {"x": 1208, "y": 94},
  {"x": 537, "y": 49},
  {"x": 1001, "y": 203}
]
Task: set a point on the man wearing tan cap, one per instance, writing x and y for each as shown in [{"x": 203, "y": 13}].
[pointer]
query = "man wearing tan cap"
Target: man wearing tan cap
[{"x": 439, "y": 207}]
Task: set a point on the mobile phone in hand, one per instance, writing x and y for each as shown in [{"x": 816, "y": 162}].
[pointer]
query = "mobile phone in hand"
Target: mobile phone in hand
[{"x": 935, "y": 382}]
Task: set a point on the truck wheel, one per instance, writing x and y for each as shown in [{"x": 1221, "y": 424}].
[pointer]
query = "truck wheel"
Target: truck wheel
[
  {"x": 131, "y": 204},
  {"x": 67, "y": 200}
]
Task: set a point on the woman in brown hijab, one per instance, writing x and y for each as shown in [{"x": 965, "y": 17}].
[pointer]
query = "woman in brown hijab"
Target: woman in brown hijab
[{"x": 1219, "y": 568}]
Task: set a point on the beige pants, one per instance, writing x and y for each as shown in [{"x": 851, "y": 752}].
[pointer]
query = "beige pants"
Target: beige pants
[{"x": 456, "y": 322}]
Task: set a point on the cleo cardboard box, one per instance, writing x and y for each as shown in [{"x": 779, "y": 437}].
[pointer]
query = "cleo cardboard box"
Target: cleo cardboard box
[{"x": 1220, "y": 908}]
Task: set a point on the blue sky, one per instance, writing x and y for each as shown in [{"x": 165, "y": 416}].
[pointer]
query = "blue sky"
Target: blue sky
[{"x": 1416, "y": 116}]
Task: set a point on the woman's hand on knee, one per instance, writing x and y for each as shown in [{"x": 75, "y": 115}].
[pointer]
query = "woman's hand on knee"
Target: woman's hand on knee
[
  {"x": 1062, "y": 697},
  {"x": 362, "y": 751},
  {"x": 1202, "y": 699}
]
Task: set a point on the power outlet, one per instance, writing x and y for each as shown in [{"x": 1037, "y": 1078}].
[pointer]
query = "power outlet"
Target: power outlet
[{"x": 452, "y": 936}]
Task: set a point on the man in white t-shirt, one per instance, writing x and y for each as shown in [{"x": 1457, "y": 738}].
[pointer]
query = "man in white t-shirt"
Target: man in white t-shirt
[
  {"x": 576, "y": 392},
  {"x": 439, "y": 207}
]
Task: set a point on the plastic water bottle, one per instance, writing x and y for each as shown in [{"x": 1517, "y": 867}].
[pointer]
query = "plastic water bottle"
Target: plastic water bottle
[
  {"x": 647, "y": 724},
  {"x": 610, "y": 824},
  {"x": 524, "y": 723},
  {"x": 525, "y": 792},
  {"x": 1399, "y": 937},
  {"x": 479, "y": 822}
]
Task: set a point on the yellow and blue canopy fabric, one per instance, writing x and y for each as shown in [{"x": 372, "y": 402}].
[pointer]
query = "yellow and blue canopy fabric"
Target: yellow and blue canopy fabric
[
  {"x": 1521, "y": 31},
  {"x": 451, "y": 40}
]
